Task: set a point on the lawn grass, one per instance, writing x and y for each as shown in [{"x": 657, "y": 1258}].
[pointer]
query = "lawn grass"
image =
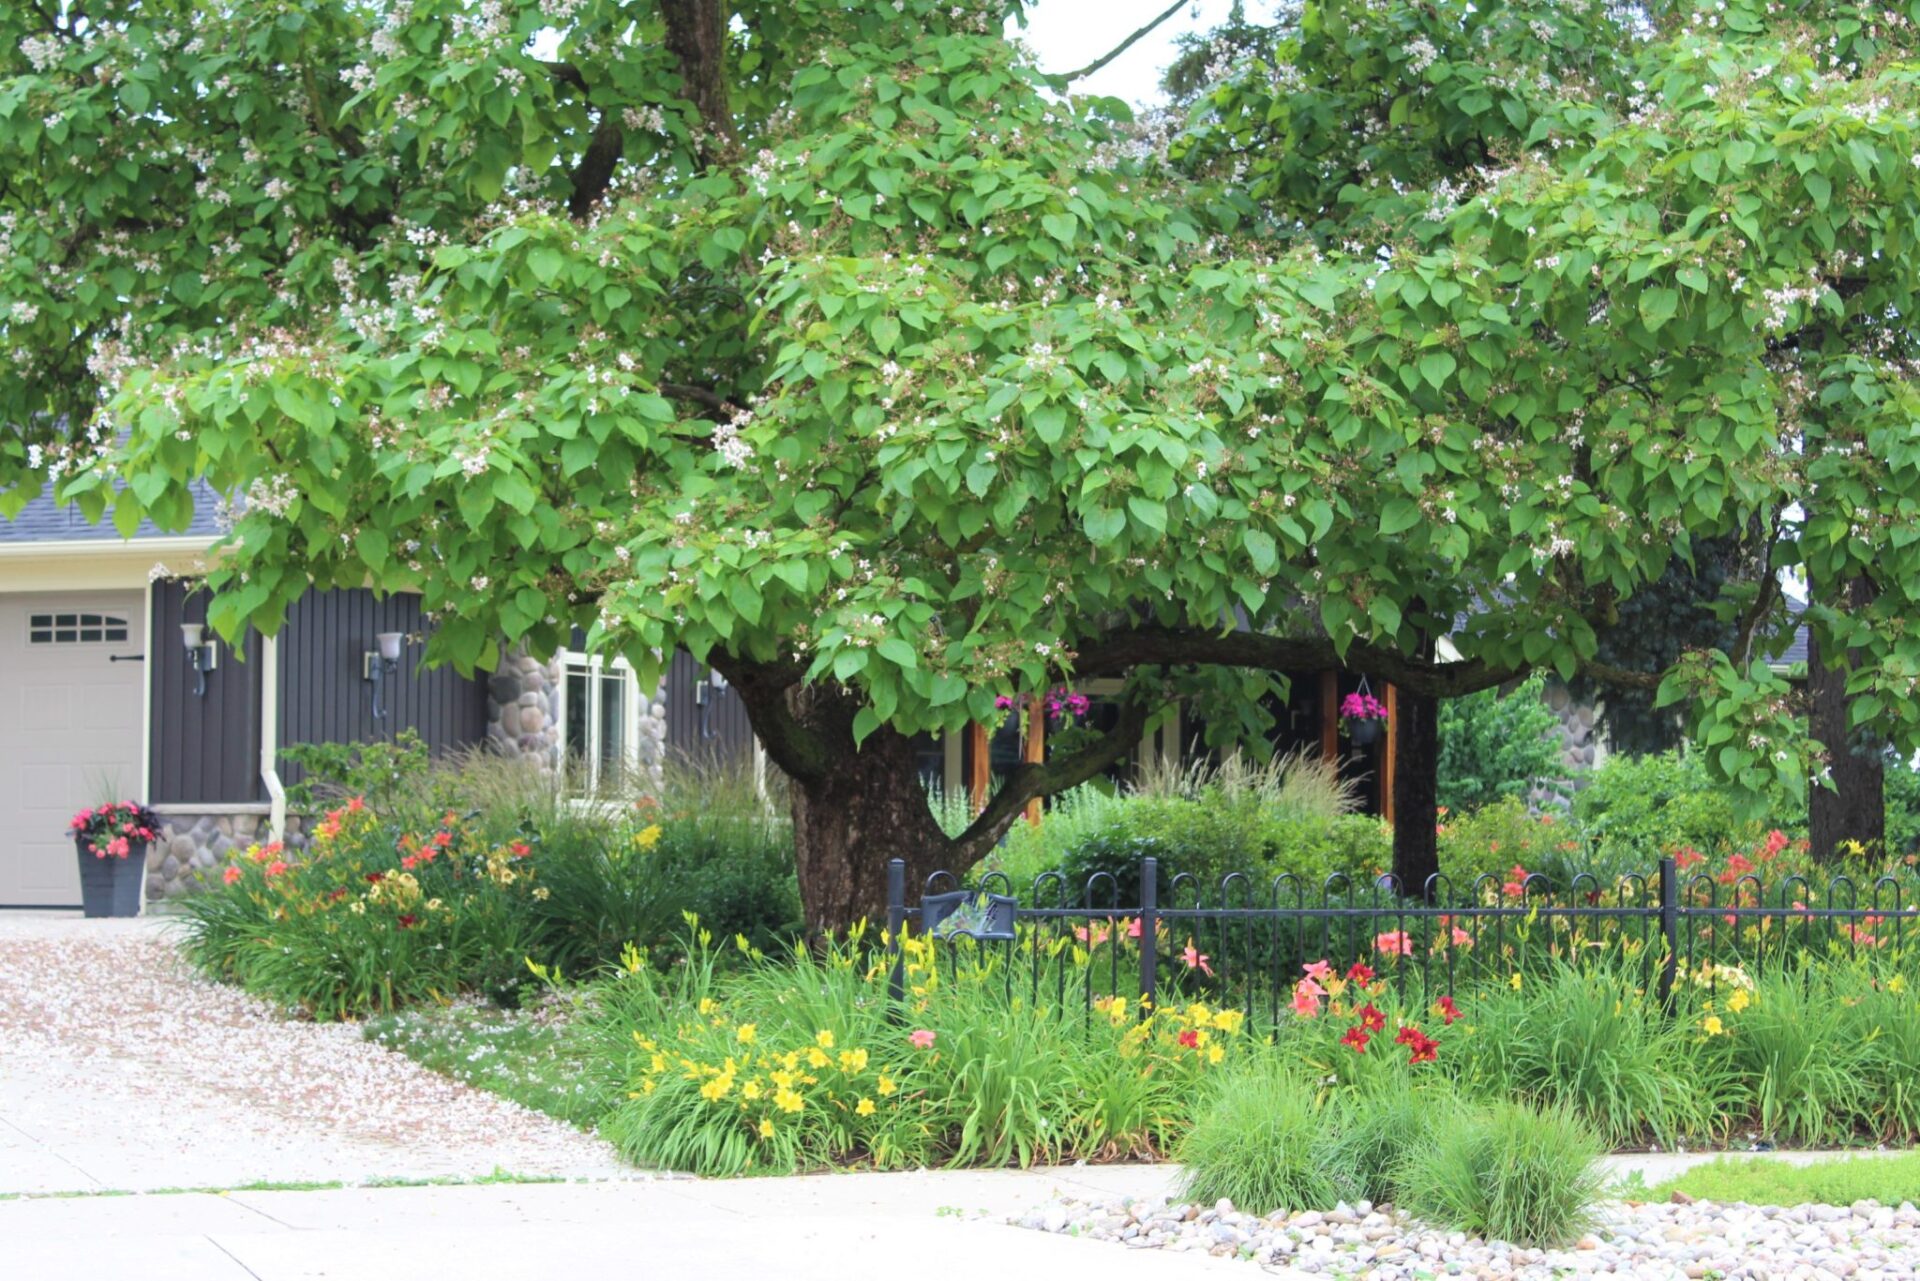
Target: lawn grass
[
  {"x": 522, "y": 1055},
  {"x": 1768, "y": 1181}
]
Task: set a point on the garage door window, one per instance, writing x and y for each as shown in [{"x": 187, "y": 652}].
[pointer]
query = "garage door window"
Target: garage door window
[{"x": 75, "y": 629}]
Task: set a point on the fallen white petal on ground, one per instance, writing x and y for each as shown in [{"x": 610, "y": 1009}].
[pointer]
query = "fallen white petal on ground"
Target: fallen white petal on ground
[{"x": 121, "y": 1069}]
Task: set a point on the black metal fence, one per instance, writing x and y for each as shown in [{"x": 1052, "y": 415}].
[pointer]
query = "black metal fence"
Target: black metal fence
[{"x": 1249, "y": 944}]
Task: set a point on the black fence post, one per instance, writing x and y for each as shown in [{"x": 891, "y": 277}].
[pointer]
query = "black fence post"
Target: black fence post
[
  {"x": 1149, "y": 926},
  {"x": 896, "y": 922},
  {"x": 1669, "y": 929}
]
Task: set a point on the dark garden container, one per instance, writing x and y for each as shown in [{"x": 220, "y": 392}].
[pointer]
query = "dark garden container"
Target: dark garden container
[{"x": 110, "y": 886}]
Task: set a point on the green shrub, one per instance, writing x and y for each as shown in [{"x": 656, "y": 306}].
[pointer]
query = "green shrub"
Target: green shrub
[
  {"x": 1903, "y": 809},
  {"x": 1636, "y": 809},
  {"x": 1496, "y": 745},
  {"x": 1506, "y": 1172},
  {"x": 1263, "y": 1141},
  {"x": 1503, "y": 835},
  {"x": 1069, "y": 819},
  {"x": 611, "y": 883},
  {"x": 1357, "y": 846},
  {"x": 1222, "y": 833}
]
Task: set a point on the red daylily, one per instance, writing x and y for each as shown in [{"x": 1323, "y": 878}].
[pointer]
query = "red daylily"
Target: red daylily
[
  {"x": 1357, "y": 1038},
  {"x": 1360, "y": 972},
  {"x": 1448, "y": 1010},
  {"x": 1371, "y": 1019}
]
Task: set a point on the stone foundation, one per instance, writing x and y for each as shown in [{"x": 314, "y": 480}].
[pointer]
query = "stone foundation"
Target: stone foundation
[
  {"x": 522, "y": 716},
  {"x": 191, "y": 844}
]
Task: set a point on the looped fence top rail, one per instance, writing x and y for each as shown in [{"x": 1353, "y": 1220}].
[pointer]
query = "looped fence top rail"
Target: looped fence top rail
[{"x": 1249, "y": 938}]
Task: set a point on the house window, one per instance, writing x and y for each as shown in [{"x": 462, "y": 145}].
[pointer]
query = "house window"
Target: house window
[
  {"x": 599, "y": 723},
  {"x": 75, "y": 629}
]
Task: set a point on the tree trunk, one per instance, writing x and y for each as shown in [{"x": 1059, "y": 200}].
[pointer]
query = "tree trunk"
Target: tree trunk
[
  {"x": 870, "y": 808},
  {"x": 1416, "y": 791},
  {"x": 1855, "y": 809}
]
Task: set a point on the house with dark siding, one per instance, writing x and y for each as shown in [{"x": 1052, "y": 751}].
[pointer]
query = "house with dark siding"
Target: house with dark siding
[{"x": 107, "y": 702}]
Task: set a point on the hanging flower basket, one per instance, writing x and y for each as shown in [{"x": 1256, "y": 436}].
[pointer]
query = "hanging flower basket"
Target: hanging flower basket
[
  {"x": 1362, "y": 716},
  {"x": 111, "y": 843}
]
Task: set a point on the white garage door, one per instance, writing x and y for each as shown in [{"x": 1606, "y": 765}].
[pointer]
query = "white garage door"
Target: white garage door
[{"x": 72, "y": 733}]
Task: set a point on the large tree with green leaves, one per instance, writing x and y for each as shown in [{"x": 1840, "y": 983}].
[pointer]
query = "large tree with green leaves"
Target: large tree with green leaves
[{"x": 836, "y": 343}]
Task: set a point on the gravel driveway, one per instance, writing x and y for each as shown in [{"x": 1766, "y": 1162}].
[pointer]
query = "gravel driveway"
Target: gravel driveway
[{"x": 121, "y": 1070}]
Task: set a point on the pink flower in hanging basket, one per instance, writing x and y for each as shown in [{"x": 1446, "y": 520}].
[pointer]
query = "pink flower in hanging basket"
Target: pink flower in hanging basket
[{"x": 1360, "y": 706}]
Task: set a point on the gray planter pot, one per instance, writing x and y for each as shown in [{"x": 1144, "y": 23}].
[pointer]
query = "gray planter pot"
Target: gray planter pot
[
  {"x": 1364, "y": 733},
  {"x": 111, "y": 886}
]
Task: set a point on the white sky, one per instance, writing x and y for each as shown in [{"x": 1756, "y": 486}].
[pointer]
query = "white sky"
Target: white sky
[{"x": 1068, "y": 34}]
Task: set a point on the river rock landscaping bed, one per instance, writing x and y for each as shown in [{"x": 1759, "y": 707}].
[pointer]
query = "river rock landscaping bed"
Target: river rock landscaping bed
[{"x": 1648, "y": 1242}]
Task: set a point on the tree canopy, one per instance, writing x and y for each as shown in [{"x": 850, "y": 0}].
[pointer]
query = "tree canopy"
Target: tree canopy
[{"x": 839, "y": 344}]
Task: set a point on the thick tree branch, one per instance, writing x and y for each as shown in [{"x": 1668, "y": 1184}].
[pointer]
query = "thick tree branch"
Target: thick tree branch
[
  {"x": 1117, "y": 50},
  {"x": 1762, "y": 602},
  {"x": 1607, "y": 674},
  {"x": 566, "y": 73},
  {"x": 1037, "y": 779},
  {"x": 595, "y": 170},
  {"x": 765, "y": 690},
  {"x": 1118, "y": 652},
  {"x": 698, "y": 395},
  {"x": 697, "y": 38}
]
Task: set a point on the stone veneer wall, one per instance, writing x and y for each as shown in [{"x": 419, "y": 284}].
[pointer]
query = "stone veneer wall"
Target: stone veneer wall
[
  {"x": 191, "y": 844},
  {"x": 1582, "y": 746},
  {"x": 523, "y": 717}
]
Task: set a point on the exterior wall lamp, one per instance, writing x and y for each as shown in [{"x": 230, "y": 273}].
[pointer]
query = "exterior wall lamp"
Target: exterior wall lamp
[
  {"x": 706, "y": 693},
  {"x": 203, "y": 654},
  {"x": 380, "y": 665}
]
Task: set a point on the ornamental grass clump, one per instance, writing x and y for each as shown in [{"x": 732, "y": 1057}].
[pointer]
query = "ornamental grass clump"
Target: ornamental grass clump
[
  {"x": 1506, "y": 1172},
  {"x": 1264, "y": 1141},
  {"x": 792, "y": 1062}
]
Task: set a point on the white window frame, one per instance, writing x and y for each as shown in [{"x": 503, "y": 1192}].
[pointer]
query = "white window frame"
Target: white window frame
[{"x": 597, "y": 667}]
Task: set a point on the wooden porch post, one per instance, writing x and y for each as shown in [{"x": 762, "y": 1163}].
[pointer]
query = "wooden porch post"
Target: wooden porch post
[
  {"x": 1330, "y": 715},
  {"x": 1034, "y": 749},
  {"x": 979, "y": 766},
  {"x": 1387, "y": 754}
]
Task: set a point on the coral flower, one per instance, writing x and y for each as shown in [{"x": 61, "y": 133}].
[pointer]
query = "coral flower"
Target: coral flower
[
  {"x": 231, "y": 875},
  {"x": 1394, "y": 943},
  {"x": 276, "y": 868},
  {"x": 1318, "y": 971},
  {"x": 1197, "y": 960},
  {"x": 922, "y": 1039}
]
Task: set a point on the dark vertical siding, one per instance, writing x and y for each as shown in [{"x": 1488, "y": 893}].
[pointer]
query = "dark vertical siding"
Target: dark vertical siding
[
  {"x": 324, "y": 697},
  {"x": 728, "y": 736},
  {"x": 205, "y": 749}
]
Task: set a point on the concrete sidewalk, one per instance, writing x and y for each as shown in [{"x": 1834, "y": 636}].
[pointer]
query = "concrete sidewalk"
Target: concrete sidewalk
[{"x": 933, "y": 1225}]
